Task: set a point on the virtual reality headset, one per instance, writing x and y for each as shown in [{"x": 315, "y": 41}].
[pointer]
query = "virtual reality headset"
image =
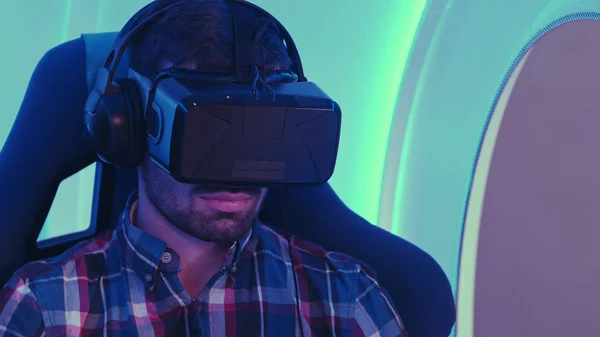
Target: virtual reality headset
[
  {"x": 202, "y": 129},
  {"x": 253, "y": 127}
]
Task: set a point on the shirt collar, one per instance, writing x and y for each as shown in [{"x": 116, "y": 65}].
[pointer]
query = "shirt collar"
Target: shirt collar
[{"x": 147, "y": 255}]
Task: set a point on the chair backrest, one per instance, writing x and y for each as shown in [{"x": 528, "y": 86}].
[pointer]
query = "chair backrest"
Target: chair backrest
[{"x": 46, "y": 145}]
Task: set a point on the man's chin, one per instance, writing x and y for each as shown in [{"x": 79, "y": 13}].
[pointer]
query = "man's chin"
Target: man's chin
[{"x": 224, "y": 229}]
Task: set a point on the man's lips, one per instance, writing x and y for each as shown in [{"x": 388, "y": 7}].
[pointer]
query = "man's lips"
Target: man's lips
[
  {"x": 228, "y": 202},
  {"x": 227, "y": 196}
]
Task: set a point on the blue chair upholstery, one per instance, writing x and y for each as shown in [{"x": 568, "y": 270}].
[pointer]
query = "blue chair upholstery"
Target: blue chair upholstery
[{"x": 47, "y": 145}]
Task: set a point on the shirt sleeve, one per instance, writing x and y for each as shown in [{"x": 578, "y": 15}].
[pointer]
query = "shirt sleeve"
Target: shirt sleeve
[
  {"x": 374, "y": 313},
  {"x": 20, "y": 314}
]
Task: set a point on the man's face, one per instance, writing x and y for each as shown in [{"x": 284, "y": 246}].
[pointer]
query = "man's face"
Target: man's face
[
  {"x": 207, "y": 213},
  {"x": 214, "y": 214}
]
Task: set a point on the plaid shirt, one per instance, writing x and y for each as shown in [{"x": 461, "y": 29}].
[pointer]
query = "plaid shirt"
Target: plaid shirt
[{"x": 124, "y": 283}]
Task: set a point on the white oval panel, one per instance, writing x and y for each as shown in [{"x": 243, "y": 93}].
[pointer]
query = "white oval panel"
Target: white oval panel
[{"x": 530, "y": 260}]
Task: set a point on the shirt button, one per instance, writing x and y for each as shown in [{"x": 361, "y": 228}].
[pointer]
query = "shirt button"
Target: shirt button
[
  {"x": 148, "y": 277},
  {"x": 166, "y": 258}
]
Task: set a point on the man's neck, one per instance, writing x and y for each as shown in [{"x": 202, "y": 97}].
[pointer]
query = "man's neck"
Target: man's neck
[{"x": 200, "y": 260}]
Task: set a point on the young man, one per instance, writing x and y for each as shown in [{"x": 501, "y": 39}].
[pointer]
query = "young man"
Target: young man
[{"x": 190, "y": 260}]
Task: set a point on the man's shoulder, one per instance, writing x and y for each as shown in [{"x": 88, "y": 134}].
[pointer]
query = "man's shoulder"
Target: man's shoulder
[
  {"x": 344, "y": 283},
  {"x": 76, "y": 260},
  {"x": 314, "y": 257}
]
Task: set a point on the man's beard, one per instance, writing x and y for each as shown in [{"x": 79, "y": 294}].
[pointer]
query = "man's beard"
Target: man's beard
[
  {"x": 217, "y": 227},
  {"x": 184, "y": 208}
]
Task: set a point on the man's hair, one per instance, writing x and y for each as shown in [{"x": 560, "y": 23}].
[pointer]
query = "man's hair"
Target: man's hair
[{"x": 200, "y": 32}]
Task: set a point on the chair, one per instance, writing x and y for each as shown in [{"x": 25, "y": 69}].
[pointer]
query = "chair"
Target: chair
[{"x": 47, "y": 144}]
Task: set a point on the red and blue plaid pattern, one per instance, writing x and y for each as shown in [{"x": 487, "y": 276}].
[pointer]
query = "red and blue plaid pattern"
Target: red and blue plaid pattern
[{"x": 122, "y": 283}]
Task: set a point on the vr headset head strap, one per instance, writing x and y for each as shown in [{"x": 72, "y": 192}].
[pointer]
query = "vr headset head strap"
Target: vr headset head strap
[{"x": 249, "y": 21}]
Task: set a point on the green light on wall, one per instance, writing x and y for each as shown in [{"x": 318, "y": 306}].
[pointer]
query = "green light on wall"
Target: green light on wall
[{"x": 403, "y": 18}]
